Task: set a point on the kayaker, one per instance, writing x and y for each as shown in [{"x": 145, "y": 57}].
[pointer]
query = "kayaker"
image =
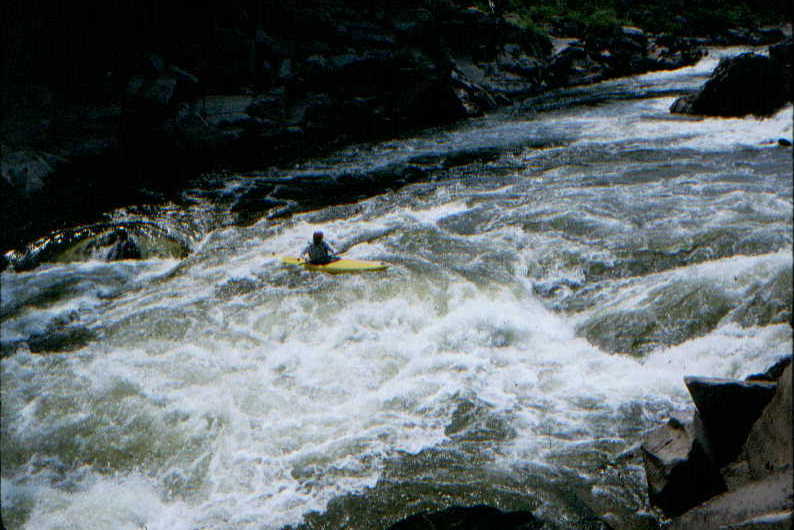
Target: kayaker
[{"x": 318, "y": 251}]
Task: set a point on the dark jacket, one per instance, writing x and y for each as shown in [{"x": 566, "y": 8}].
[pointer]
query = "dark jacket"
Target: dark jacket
[{"x": 319, "y": 254}]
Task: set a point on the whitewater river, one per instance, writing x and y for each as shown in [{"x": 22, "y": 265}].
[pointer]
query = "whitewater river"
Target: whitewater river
[{"x": 543, "y": 303}]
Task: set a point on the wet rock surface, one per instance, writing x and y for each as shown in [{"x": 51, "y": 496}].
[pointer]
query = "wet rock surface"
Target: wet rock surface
[
  {"x": 469, "y": 518},
  {"x": 768, "y": 448},
  {"x": 728, "y": 410},
  {"x": 743, "y": 431},
  {"x": 101, "y": 241},
  {"x": 765, "y": 504},
  {"x": 679, "y": 468}
]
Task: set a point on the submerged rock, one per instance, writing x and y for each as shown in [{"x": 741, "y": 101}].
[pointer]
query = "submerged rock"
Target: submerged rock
[
  {"x": 669, "y": 315},
  {"x": 66, "y": 339},
  {"x": 102, "y": 241},
  {"x": 771, "y": 303},
  {"x": 479, "y": 517}
]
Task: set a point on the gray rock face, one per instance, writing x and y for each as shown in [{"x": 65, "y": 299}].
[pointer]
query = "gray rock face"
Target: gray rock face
[
  {"x": 679, "y": 470},
  {"x": 758, "y": 482},
  {"x": 768, "y": 448},
  {"x": 728, "y": 409},
  {"x": 759, "y": 505}
]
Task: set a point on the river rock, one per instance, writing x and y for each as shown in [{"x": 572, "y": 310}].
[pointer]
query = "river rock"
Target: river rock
[
  {"x": 668, "y": 52},
  {"x": 678, "y": 467},
  {"x": 572, "y": 66},
  {"x": 768, "y": 448},
  {"x": 270, "y": 105},
  {"x": 100, "y": 241},
  {"x": 65, "y": 339},
  {"x": 782, "y": 53},
  {"x": 746, "y": 84},
  {"x": 478, "y": 517},
  {"x": 728, "y": 409},
  {"x": 760, "y": 505},
  {"x": 667, "y": 315},
  {"x": 623, "y": 50}
]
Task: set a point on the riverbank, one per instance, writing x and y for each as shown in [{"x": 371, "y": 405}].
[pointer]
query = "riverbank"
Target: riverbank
[{"x": 282, "y": 85}]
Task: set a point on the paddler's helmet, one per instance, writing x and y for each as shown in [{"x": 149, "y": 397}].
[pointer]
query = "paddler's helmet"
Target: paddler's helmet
[{"x": 318, "y": 237}]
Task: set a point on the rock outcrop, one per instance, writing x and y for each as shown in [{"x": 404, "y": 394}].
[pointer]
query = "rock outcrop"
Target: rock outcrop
[
  {"x": 679, "y": 467},
  {"x": 739, "y": 442},
  {"x": 728, "y": 410},
  {"x": 749, "y": 83},
  {"x": 782, "y": 54},
  {"x": 764, "y": 504},
  {"x": 102, "y": 241},
  {"x": 768, "y": 448},
  {"x": 250, "y": 85}
]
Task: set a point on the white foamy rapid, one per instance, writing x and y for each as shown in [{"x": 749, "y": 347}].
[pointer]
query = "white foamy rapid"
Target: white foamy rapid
[{"x": 231, "y": 391}]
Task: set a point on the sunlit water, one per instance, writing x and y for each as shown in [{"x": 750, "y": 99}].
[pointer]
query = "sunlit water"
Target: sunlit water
[{"x": 541, "y": 309}]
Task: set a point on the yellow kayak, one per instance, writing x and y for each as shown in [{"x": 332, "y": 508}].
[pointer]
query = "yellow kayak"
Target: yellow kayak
[{"x": 340, "y": 266}]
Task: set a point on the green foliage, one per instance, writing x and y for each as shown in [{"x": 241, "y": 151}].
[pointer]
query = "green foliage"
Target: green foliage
[
  {"x": 601, "y": 22},
  {"x": 677, "y": 16}
]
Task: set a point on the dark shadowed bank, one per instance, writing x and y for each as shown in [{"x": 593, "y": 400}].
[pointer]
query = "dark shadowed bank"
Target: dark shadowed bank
[
  {"x": 114, "y": 104},
  {"x": 730, "y": 465}
]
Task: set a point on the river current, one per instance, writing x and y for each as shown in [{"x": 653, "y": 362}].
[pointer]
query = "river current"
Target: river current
[{"x": 543, "y": 303}]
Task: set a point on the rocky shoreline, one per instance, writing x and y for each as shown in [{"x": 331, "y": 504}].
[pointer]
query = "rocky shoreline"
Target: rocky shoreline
[
  {"x": 729, "y": 465},
  {"x": 287, "y": 84}
]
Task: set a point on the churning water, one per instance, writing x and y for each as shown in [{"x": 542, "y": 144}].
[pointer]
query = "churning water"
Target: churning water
[{"x": 542, "y": 305}]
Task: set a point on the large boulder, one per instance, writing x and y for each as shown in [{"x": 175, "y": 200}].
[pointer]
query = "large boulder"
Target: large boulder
[
  {"x": 728, "y": 409},
  {"x": 768, "y": 448},
  {"x": 760, "y": 505},
  {"x": 782, "y": 54},
  {"x": 746, "y": 84},
  {"x": 573, "y": 65},
  {"x": 678, "y": 467}
]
